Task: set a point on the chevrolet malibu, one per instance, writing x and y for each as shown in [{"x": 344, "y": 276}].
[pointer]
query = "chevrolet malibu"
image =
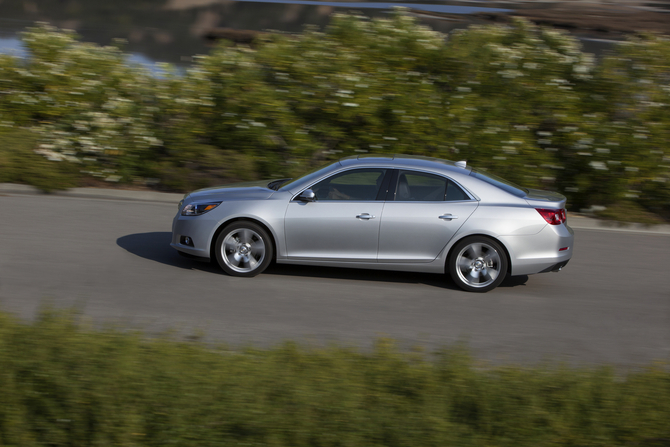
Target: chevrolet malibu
[{"x": 392, "y": 213}]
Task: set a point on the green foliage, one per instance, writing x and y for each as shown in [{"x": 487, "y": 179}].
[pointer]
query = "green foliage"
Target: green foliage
[
  {"x": 64, "y": 383},
  {"x": 523, "y": 101},
  {"x": 638, "y": 127},
  {"x": 84, "y": 102},
  {"x": 20, "y": 164},
  {"x": 514, "y": 88}
]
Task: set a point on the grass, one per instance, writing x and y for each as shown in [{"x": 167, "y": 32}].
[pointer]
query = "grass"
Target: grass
[{"x": 65, "y": 383}]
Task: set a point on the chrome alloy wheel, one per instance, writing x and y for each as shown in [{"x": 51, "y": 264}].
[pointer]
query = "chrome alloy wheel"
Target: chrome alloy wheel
[
  {"x": 478, "y": 264},
  {"x": 243, "y": 250}
]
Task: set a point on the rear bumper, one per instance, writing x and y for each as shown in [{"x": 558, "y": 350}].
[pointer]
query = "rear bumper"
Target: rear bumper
[
  {"x": 547, "y": 251},
  {"x": 556, "y": 267}
]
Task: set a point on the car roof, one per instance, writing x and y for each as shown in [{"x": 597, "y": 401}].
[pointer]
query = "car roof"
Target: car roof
[{"x": 406, "y": 161}]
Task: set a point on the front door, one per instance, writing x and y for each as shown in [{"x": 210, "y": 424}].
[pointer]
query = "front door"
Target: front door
[{"x": 342, "y": 223}]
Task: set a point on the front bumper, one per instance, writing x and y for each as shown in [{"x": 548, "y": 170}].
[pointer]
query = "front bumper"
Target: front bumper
[{"x": 199, "y": 229}]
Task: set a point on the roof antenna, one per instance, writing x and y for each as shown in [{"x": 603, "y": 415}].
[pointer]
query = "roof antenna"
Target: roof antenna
[{"x": 461, "y": 164}]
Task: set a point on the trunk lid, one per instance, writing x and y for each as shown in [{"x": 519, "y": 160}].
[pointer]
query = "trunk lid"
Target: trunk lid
[{"x": 545, "y": 199}]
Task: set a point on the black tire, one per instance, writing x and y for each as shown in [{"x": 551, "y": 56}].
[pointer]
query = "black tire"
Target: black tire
[
  {"x": 243, "y": 248},
  {"x": 478, "y": 264}
]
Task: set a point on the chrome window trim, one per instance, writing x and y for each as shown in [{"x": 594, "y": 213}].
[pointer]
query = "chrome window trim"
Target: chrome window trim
[
  {"x": 473, "y": 197},
  {"x": 432, "y": 201}
]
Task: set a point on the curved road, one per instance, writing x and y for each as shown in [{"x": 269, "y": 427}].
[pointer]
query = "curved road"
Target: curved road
[{"x": 112, "y": 258}]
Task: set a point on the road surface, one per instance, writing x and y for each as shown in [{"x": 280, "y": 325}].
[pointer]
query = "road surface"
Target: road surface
[{"x": 112, "y": 259}]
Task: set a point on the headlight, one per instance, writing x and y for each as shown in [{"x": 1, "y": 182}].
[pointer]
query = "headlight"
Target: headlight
[
  {"x": 196, "y": 209},
  {"x": 181, "y": 202}
]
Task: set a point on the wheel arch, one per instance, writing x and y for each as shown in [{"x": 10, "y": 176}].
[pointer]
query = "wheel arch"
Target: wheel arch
[
  {"x": 484, "y": 235},
  {"x": 215, "y": 236}
]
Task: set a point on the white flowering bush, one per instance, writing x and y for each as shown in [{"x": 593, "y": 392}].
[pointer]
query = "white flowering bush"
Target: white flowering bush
[
  {"x": 635, "y": 121},
  {"x": 512, "y": 88},
  {"x": 85, "y": 103},
  {"x": 523, "y": 101},
  {"x": 359, "y": 87}
]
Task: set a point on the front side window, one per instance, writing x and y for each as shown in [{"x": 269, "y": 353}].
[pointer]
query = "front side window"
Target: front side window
[
  {"x": 423, "y": 187},
  {"x": 358, "y": 184}
]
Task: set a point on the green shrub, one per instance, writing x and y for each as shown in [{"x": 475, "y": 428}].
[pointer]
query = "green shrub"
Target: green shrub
[
  {"x": 65, "y": 383},
  {"x": 523, "y": 101},
  {"x": 636, "y": 80},
  {"x": 20, "y": 164}
]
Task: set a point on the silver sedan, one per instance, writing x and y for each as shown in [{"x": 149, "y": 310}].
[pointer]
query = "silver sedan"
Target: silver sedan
[{"x": 391, "y": 213}]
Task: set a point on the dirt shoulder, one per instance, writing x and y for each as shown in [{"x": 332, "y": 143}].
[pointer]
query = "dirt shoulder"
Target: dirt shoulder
[{"x": 605, "y": 20}]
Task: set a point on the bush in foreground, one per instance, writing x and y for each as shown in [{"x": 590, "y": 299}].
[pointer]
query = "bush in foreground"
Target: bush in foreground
[{"x": 63, "y": 383}]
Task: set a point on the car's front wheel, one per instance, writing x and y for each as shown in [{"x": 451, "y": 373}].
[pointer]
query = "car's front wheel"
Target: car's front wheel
[
  {"x": 243, "y": 249},
  {"x": 478, "y": 264}
]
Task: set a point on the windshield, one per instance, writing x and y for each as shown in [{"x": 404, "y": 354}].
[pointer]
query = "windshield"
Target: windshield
[
  {"x": 313, "y": 174},
  {"x": 500, "y": 182}
]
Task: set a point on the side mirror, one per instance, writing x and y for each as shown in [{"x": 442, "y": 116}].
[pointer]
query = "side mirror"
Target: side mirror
[{"x": 307, "y": 196}]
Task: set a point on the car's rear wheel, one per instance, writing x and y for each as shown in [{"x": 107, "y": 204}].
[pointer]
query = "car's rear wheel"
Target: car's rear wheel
[
  {"x": 478, "y": 264},
  {"x": 243, "y": 249}
]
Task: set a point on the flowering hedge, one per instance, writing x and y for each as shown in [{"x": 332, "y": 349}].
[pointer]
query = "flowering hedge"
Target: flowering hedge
[{"x": 523, "y": 101}]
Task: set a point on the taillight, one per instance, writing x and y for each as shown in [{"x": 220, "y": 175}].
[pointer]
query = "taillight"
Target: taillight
[{"x": 553, "y": 217}]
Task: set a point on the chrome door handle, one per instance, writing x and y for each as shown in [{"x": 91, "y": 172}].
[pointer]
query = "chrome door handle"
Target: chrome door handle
[
  {"x": 365, "y": 216},
  {"x": 448, "y": 217}
]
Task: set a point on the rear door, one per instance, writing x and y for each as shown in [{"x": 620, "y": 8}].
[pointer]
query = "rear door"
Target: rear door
[{"x": 422, "y": 213}]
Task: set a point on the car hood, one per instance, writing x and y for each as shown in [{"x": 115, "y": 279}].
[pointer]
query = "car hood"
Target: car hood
[{"x": 245, "y": 190}]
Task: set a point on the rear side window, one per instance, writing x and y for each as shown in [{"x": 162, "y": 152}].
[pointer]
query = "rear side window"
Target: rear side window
[{"x": 422, "y": 187}]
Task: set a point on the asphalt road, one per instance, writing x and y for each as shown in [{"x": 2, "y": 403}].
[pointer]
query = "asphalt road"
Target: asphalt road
[{"x": 112, "y": 259}]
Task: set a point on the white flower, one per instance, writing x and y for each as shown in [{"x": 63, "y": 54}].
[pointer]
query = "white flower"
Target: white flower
[{"x": 598, "y": 165}]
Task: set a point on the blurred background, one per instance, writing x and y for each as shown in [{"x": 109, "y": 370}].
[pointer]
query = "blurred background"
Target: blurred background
[
  {"x": 181, "y": 94},
  {"x": 174, "y": 95},
  {"x": 175, "y": 30}
]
